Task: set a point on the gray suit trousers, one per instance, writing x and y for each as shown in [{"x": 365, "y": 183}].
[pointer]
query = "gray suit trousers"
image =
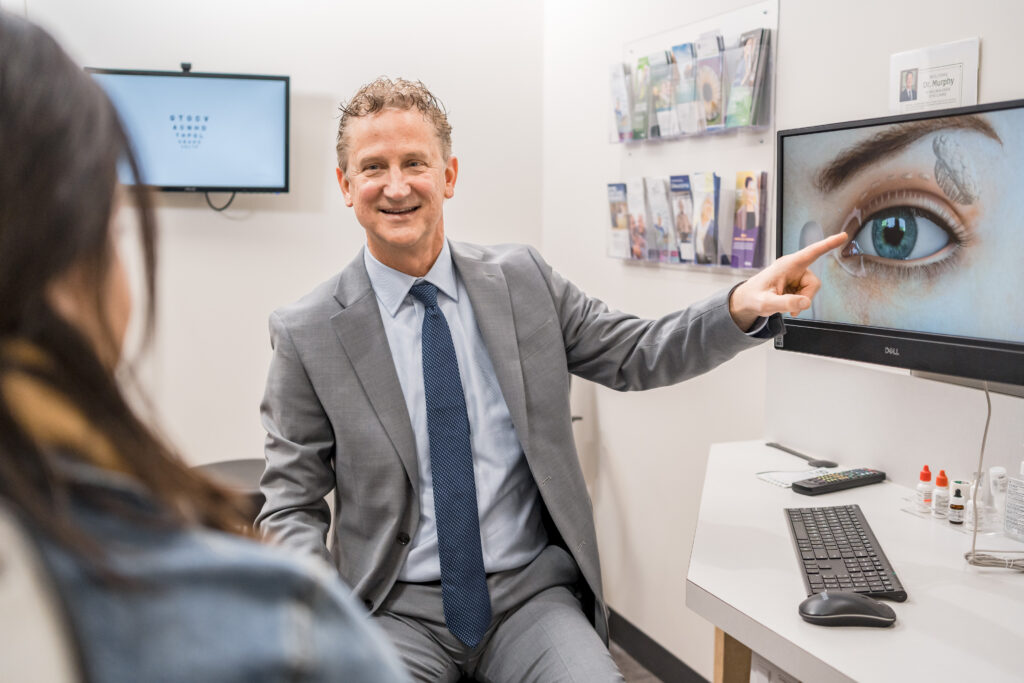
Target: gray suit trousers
[{"x": 538, "y": 630}]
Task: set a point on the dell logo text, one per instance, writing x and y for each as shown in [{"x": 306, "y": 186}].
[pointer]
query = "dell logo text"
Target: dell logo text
[{"x": 892, "y": 351}]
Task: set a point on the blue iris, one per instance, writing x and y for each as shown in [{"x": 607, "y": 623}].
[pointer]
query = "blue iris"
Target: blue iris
[{"x": 894, "y": 233}]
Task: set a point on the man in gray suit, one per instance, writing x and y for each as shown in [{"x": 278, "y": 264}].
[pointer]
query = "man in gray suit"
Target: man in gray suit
[{"x": 427, "y": 385}]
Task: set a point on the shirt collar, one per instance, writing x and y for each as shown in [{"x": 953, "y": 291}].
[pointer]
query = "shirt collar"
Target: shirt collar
[{"x": 392, "y": 286}]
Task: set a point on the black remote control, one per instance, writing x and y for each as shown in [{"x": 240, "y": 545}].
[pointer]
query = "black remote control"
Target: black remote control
[{"x": 837, "y": 481}]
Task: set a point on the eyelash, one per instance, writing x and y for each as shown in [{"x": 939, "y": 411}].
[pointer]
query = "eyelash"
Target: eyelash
[
  {"x": 894, "y": 198},
  {"x": 377, "y": 167},
  {"x": 912, "y": 273},
  {"x": 921, "y": 201}
]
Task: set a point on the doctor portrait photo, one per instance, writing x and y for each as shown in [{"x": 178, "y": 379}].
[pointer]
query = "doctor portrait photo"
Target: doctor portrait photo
[{"x": 908, "y": 85}]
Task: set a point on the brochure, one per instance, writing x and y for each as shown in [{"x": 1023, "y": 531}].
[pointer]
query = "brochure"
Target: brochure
[
  {"x": 637, "y": 206},
  {"x": 762, "y": 91},
  {"x": 659, "y": 233},
  {"x": 745, "y": 223},
  {"x": 662, "y": 116},
  {"x": 762, "y": 223},
  {"x": 705, "y": 188},
  {"x": 709, "y": 79},
  {"x": 641, "y": 99},
  {"x": 741, "y": 65},
  {"x": 689, "y": 113},
  {"x": 619, "y": 131},
  {"x": 682, "y": 210},
  {"x": 618, "y": 234}
]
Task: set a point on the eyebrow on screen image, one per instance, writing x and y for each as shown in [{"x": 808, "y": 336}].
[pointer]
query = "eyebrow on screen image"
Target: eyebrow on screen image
[{"x": 891, "y": 141}]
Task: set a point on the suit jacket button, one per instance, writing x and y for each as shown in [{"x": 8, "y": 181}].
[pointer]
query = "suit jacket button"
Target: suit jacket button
[
  {"x": 403, "y": 538},
  {"x": 369, "y": 605}
]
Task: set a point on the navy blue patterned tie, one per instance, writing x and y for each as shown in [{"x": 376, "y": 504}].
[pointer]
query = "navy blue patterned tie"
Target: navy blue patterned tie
[{"x": 467, "y": 603}]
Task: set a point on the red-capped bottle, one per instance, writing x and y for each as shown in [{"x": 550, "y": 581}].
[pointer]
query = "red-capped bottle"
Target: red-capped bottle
[
  {"x": 924, "y": 491},
  {"x": 940, "y": 496}
]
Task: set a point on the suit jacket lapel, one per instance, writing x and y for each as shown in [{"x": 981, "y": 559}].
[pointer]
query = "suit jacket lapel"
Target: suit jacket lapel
[
  {"x": 492, "y": 306},
  {"x": 361, "y": 333}
]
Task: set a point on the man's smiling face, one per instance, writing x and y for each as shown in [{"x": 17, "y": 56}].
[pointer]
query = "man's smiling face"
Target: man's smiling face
[{"x": 397, "y": 180}]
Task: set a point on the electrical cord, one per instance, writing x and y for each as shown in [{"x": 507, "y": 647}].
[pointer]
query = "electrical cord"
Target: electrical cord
[
  {"x": 983, "y": 557},
  {"x": 230, "y": 199}
]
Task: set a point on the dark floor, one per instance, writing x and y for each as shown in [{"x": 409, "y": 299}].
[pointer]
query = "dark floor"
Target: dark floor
[{"x": 631, "y": 669}]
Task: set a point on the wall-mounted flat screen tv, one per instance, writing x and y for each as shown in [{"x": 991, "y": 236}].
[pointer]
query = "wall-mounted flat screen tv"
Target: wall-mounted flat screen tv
[
  {"x": 932, "y": 275},
  {"x": 204, "y": 132}
]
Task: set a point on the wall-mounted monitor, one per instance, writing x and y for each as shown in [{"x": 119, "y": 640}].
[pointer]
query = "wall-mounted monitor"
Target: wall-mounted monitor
[
  {"x": 204, "y": 132},
  {"x": 932, "y": 276}
]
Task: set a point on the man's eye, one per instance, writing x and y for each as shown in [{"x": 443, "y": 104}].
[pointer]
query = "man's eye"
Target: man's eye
[{"x": 901, "y": 233}]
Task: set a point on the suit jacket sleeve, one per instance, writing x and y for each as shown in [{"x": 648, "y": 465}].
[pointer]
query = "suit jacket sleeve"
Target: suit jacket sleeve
[
  {"x": 627, "y": 353},
  {"x": 299, "y": 451}
]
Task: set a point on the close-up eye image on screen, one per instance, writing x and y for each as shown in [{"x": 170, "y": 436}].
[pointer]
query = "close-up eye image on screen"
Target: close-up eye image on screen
[{"x": 930, "y": 277}]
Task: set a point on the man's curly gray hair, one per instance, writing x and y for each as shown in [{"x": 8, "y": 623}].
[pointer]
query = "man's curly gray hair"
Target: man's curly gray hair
[{"x": 400, "y": 94}]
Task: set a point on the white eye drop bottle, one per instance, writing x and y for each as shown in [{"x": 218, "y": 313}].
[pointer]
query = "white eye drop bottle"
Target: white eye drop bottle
[{"x": 940, "y": 496}]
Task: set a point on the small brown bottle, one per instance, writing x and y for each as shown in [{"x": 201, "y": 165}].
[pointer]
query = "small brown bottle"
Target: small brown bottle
[{"x": 956, "y": 507}]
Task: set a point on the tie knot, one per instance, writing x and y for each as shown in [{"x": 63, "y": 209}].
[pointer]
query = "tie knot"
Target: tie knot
[{"x": 426, "y": 293}]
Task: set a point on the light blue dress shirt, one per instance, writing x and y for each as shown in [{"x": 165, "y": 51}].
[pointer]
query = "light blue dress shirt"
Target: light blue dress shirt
[{"x": 511, "y": 523}]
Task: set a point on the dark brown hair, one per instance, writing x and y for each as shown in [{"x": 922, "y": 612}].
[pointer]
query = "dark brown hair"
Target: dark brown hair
[
  {"x": 60, "y": 145},
  {"x": 400, "y": 94}
]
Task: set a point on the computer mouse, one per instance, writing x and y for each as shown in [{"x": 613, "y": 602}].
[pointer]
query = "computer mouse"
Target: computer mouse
[{"x": 841, "y": 608}]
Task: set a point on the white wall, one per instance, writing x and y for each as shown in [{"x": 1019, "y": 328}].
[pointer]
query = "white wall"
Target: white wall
[
  {"x": 222, "y": 274},
  {"x": 15, "y": 6}
]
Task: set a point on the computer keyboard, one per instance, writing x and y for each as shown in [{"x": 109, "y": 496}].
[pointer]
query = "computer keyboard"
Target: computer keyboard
[{"x": 838, "y": 551}]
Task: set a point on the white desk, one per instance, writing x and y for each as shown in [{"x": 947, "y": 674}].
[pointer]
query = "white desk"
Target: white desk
[{"x": 959, "y": 623}]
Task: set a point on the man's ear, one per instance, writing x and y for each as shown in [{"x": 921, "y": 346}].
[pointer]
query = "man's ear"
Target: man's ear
[
  {"x": 345, "y": 185},
  {"x": 451, "y": 174}
]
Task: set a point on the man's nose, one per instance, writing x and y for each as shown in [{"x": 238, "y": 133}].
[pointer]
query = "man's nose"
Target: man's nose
[{"x": 396, "y": 185}]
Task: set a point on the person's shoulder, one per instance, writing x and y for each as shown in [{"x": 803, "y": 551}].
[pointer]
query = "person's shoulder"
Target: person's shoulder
[
  {"x": 509, "y": 254},
  {"x": 321, "y": 302}
]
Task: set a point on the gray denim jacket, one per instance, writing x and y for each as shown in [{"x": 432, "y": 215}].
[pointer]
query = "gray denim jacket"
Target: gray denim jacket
[{"x": 205, "y": 606}]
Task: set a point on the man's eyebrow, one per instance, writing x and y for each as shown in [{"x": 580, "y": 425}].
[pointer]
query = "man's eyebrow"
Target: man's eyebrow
[{"x": 891, "y": 141}]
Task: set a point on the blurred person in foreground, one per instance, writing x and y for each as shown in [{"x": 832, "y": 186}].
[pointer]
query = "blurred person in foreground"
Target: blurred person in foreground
[{"x": 145, "y": 554}]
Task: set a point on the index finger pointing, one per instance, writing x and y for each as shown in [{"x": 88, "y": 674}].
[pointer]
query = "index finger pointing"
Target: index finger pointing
[{"x": 812, "y": 252}]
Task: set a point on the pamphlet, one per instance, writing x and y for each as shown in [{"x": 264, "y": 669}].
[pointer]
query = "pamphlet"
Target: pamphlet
[
  {"x": 762, "y": 91},
  {"x": 741, "y": 68},
  {"x": 659, "y": 234},
  {"x": 705, "y": 188},
  {"x": 762, "y": 222},
  {"x": 682, "y": 210},
  {"x": 637, "y": 205},
  {"x": 689, "y": 112},
  {"x": 709, "y": 79},
  {"x": 619, "y": 131},
  {"x": 662, "y": 119},
  {"x": 618, "y": 234},
  {"x": 641, "y": 99},
  {"x": 744, "y": 230}
]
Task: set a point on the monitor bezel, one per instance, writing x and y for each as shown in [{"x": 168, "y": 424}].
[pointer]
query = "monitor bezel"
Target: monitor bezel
[
  {"x": 251, "y": 77},
  {"x": 989, "y": 360}
]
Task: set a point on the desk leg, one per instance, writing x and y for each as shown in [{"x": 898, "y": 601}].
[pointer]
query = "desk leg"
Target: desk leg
[{"x": 732, "y": 659}]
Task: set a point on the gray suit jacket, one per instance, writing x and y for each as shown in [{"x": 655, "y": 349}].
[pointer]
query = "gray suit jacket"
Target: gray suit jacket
[{"x": 336, "y": 418}]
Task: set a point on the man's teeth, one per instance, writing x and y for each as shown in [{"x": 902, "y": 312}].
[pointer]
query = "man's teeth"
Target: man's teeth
[{"x": 400, "y": 211}]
